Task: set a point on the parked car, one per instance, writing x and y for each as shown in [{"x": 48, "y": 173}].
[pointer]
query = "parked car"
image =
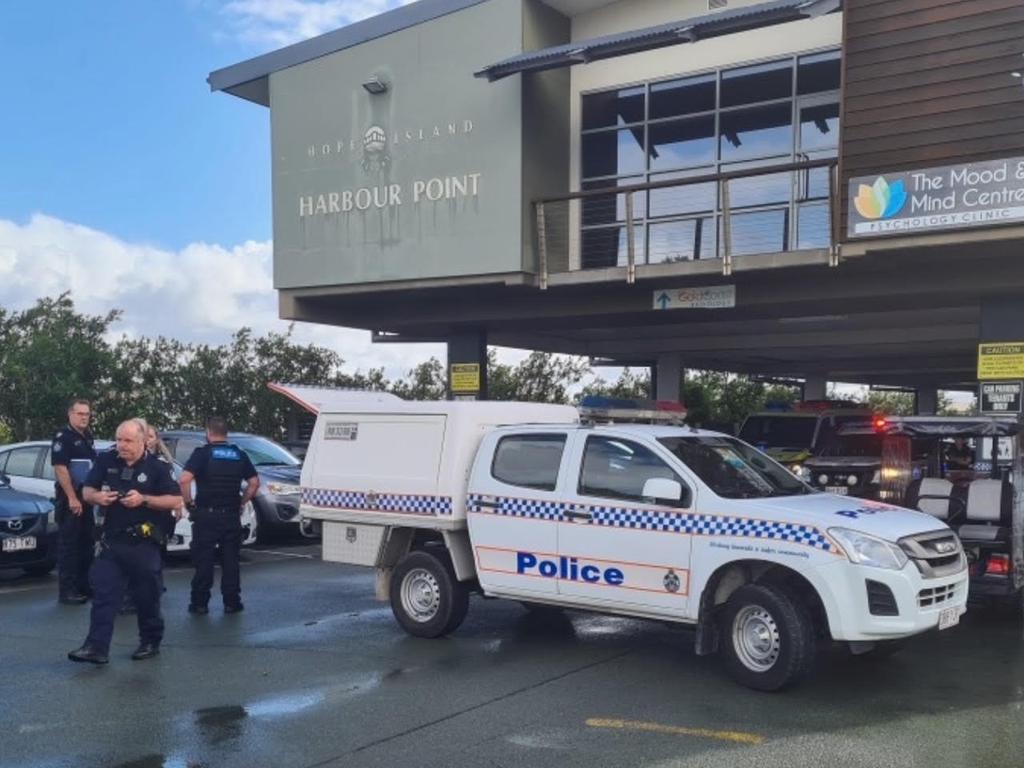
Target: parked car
[
  {"x": 28, "y": 533},
  {"x": 27, "y": 467},
  {"x": 277, "y": 501}
]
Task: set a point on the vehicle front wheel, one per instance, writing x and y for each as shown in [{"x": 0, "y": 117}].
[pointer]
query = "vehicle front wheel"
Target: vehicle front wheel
[
  {"x": 768, "y": 638},
  {"x": 426, "y": 598}
]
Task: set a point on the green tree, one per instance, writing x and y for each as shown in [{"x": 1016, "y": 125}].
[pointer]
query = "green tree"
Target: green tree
[
  {"x": 427, "y": 381},
  {"x": 49, "y": 354},
  {"x": 629, "y": 385},
  {"x": 541, "y": 377}
]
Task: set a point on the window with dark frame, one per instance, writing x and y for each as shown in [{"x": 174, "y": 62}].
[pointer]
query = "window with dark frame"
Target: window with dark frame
[
  {"x": 757, "y": 115},
  {"x": 528, "y": 461},
  {"x": 615, "y": 468}
]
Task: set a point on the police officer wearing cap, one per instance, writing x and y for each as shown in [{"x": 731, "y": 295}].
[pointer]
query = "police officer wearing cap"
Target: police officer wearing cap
[
  {"x": 135, "y": 490},
  {"x": 218, "y": 469},
  {"x": 72, "y": 455}
]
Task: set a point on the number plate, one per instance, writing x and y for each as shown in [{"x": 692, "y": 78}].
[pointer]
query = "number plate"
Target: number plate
[
  {"x": 949, "y": 617},
  {"x": 838, "y": 490},
  {"x": 19, "y": 544}
]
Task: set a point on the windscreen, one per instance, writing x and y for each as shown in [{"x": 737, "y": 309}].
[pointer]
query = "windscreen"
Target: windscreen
[
  {"x": 859, "y": 446},
  {"x": 733, "y": 469},
  {"x": 779, "y": 431},
  {"x": 264, "y": 453}
]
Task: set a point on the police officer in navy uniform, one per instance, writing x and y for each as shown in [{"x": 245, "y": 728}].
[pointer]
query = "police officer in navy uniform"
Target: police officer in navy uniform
[
  {"x": 218, "y": 468},
  {"x": 71, "y": 455},
  {"x": 135, "y": 490}
]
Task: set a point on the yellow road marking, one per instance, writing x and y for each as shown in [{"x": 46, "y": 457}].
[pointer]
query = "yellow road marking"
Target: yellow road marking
[{"x": 706, "y": 733}]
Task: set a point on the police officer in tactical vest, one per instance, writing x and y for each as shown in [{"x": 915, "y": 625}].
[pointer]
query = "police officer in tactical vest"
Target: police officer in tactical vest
[
  {"x": 72, "y": 455},
  {"x": 219, "y": 469},
  {"x": 135, "y": 490}
]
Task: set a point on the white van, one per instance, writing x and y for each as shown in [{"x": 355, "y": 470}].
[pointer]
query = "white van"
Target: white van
[{"x": 523, "y": 501}]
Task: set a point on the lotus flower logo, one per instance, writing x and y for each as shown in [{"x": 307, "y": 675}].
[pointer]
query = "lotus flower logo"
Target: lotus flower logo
[{"x": 881, "y": 200}]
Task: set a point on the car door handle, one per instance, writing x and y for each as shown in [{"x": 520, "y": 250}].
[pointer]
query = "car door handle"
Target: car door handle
[
  {"x": 488, "y": 504},
  {"x": 572, "y": 514}
]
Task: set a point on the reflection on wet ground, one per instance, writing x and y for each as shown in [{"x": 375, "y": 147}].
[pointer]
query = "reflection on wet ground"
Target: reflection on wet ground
[{"x": 317, "y": 673}]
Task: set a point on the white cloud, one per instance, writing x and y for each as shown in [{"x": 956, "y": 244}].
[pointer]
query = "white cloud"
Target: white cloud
[
  {"x": 202, "y": 293},
  {"x": 281, "y": 22}
]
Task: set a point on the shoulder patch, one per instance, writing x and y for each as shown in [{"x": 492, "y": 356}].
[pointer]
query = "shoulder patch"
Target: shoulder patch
[{"x": 57, "y": 446}]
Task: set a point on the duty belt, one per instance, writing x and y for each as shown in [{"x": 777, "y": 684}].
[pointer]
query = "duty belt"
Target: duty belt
[
  {"x": 136, "y": 534},
  {"x": 221, "y": 510}
]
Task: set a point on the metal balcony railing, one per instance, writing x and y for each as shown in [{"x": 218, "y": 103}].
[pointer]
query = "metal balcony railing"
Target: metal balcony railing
[{"x": 735, "y": 214}]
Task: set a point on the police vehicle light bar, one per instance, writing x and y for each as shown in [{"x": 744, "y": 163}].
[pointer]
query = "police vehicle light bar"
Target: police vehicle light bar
[{"x": 595, "y": 408}]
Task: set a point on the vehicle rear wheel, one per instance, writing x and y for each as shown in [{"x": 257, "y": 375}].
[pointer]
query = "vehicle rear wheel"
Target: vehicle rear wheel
[
  {"x": 768, "y": 638},
  {"x": 40, "y": 570},
  {"x": 426, "y": 598}
]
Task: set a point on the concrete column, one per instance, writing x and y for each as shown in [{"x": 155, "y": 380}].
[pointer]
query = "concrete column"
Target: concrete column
[
  {"x": 815, "y": 388},
  {"x": 467, "y": 366},
  {"x": 926, "y": 401},
  {"x": 668, "y": 382}
]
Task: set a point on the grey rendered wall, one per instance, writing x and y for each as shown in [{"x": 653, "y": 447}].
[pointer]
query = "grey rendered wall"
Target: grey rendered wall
[{"x": 443, "y": 134}]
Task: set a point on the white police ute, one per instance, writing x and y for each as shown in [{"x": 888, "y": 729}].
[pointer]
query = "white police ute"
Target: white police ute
[{"x": 656, "y": 520}]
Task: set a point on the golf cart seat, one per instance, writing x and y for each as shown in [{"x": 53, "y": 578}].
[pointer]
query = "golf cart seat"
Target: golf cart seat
[
  {"x": 989, "y": 512},
  {"x": 936, "y": 497}
]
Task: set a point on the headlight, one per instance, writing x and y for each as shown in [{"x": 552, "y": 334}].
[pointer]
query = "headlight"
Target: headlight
[
  {"x": 822, "y": 479},
  {"x": 868, "y": 550},
  {"x": 803, "y": 473},
  {"x": 284, "y": 489},
  {"x": 851, "y": 480}
]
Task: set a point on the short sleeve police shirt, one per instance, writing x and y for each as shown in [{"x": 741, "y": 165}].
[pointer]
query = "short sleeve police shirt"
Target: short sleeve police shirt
[
  {"x": 149, "y": 476},
  {"x": 219, "y": 470},
  {"x": 69, "y": 446}
]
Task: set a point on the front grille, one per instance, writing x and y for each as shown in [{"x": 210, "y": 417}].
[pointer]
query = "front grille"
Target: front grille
[
  {"x": 928, "y": 598},
  {"x": 881, "y": 601},
  {"x": 21, "y": 526},
  {"x": 936, "y": 554}
]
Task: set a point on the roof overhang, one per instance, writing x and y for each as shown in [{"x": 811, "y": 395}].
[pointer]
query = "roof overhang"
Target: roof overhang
[
  {"x": 249, "y": 79},
  {"x": 649, "y": 38}
]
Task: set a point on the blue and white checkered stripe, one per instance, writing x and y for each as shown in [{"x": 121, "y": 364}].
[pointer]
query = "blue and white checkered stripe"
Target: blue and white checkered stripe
[
  {"x": 409, "y": 504},
  {"x": 710, "y": 525},
  {"x": 508, "y": 506},
  {"x": 656, "y": 520}
]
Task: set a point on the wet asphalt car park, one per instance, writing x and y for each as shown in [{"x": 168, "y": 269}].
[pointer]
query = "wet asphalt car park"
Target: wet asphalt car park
[{"x": 315, "y": 672}]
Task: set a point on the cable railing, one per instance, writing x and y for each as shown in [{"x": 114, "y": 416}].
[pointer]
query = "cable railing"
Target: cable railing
[{"x": 687, "y": 217}]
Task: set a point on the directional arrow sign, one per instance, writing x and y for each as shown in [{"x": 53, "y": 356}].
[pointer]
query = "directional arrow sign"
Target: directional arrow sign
[{"x": 701, "y": 297}]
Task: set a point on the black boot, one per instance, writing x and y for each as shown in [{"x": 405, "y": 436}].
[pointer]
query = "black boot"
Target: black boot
[
  {"x": 146, "y": 651},
  {"x": 88, "y": 655}
]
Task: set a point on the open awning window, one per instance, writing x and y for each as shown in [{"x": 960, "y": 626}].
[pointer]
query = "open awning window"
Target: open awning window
[{"x": 685, "y": 31}]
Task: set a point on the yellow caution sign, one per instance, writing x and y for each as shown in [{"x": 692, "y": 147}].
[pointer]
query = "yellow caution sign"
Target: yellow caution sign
[
  {"x": 1001, "y": 360},
  {"x": 465, "y": 377}
]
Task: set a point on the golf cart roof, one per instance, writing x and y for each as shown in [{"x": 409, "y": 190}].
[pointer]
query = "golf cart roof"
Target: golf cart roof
[{"x": 936, "y": 426}]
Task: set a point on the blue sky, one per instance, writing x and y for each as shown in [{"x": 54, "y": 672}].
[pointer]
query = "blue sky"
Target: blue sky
[
  {"x": 125, "y": 181},
  {"x": 111, "y": 124}
]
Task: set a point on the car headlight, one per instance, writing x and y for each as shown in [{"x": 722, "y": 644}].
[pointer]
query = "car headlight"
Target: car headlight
[
  {"x": 869, "y": 550},
  {"x": 284, "y": 489},
  {"x": 804, "y": 473}
]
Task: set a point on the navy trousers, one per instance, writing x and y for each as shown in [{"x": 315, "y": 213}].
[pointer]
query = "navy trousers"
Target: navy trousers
[
  {"x": 121, "y": 565},
  {"x": 74, "y": 548},
  {"x": 214, "y": 529}
]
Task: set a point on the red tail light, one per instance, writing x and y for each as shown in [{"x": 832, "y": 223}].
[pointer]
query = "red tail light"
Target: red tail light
[
  {"x": 998, "y": 565},
  {"x": 879, "y": 422}
]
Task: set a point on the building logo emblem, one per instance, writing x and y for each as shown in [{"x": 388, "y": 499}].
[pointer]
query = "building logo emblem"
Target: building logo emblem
[
  {"x": 881, "y": 200},
  {"x": 375, "y": 150}
]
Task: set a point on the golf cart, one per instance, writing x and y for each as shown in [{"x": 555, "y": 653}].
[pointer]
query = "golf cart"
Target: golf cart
[{"x": 983, "y": 502}]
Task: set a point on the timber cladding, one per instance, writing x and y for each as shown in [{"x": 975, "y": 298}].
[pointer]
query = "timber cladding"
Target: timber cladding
[{"x": 927, "y": 83}]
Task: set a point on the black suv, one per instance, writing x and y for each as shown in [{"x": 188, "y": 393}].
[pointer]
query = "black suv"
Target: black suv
[{"x": 277, "y": 501}]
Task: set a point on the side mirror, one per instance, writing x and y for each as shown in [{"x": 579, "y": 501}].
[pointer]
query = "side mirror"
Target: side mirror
[
  {"x": 663, "y": 489},
  {"x": 4, "y": 479}
]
